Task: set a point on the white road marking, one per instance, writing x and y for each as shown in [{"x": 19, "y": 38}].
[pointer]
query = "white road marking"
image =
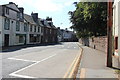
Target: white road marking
[
  {"x": 23, "y": 76},
  {"x": 22, "y": 60}
]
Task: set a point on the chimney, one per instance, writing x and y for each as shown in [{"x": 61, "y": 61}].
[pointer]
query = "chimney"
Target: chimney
[
  {"x": 35, "y": 16},
  {"x": 58, "y": 28},
  {"x": 21, "y": 9},
  {"x": 11, "y": 3},
  {"x": 49, "y": 19},
  {"x": 66, "y": 29}
]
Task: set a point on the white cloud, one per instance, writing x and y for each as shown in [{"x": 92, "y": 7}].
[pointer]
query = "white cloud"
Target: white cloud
[
  {"x": 44, "y": 5},
  {"x": 47, "y": 5}
]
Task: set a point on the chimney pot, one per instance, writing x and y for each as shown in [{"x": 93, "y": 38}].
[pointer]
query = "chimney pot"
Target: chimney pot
[{"x": 11, "y": 3}]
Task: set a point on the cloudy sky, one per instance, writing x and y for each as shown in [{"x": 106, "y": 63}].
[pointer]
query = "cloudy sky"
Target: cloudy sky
[{"x": 57, "y": 9}]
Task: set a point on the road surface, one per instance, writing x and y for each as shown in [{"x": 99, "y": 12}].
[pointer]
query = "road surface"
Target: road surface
[{"x": 52, "y": 61}]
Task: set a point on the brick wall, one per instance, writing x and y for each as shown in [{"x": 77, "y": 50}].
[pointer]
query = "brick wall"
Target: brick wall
[{"x": 99, "y": 43}]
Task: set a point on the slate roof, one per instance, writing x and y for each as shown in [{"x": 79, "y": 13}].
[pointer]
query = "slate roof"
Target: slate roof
[
  {"x": 51, "y": 24},
  {"x": 45, "y": 23},
  {"x": 29, "y": 19},
  {"x": 40, "y": 23},
  {"x": 12, "y": 6}
]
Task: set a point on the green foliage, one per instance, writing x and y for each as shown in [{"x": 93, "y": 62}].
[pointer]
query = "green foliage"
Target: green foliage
[{"x": 89, "y": 19}]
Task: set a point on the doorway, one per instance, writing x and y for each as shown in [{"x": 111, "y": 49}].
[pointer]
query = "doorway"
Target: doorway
[{"x": 6, "y": 40}]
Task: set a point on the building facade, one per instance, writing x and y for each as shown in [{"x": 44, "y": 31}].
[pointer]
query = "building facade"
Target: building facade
[
  {"x": 66, "y": 35},
  {"x": 34, "y": 30},
  {"x": 12, "y": 22},
  {"x": 17, "y": 28},
  {"x": 116, "y": 27},
  {"x": 49, "y": 32}
]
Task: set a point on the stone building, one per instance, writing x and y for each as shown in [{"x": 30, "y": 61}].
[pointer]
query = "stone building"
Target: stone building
[
  {"x": 12, "y": 25},
  {"x": 17, "y": 28},
  {"x": 50, "y": 32},
  {"x": 34, "y": 29}
]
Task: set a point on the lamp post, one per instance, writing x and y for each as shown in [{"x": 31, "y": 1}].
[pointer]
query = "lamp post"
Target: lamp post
[{"x": 109, "y": 34}]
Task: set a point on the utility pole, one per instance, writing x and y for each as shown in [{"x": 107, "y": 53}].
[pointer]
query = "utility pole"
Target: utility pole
[{"x": 109, "y": 34}]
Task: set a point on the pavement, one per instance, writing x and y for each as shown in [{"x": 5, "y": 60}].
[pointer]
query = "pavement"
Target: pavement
[
  {"x": 93, "y": 65},
  {"x": 47, "y": 61}
]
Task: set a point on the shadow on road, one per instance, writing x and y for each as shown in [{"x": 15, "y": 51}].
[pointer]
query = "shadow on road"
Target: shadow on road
[{"x": 18, "y": 47}]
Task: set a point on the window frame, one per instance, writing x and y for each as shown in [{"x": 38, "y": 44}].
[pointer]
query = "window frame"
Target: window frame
[
  {"x": 25, "y": 27},
  {"x": 17, "y": 26},
  {"x": 7, "y": 24},
  {"x": 7, "y": 11}
]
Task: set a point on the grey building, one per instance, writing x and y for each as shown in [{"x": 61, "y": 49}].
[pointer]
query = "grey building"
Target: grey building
[{"x": 12, "y": 25}]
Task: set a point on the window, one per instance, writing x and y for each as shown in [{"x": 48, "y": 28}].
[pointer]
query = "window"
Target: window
[
  {"x": 17, "y": 26},
  {"x": 46, "y": 31},
  {"x": 7, "y": 24},
  {"x": 50, "y": 31},
  {"x": 38, "y": 29},
  {"x": 116, "y": 42},
  {"x": 21, "y": 39},
  {"x": 42, "y": 29},
  {"x": 18, "y": 15},
  {"x": 7, "y": 11},
  {"x": 34, "y": 28},
  {"x": 25, "y": 27},
  {"x": 30, "y": 28},
  {"x": 21, "y": 15}
]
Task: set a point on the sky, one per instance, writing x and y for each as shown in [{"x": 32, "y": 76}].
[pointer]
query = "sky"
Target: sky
[{"x": 57, "y": 9}]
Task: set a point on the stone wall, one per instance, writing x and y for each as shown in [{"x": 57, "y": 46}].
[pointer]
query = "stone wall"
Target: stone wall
[{"x": 99, "y": 43}]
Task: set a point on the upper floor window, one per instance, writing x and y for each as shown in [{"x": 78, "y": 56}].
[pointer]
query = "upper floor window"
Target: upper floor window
[
  {"x": 7, "y": 24},
  {"x": 30, "y": 28},
  {"x": 17, "y": 26},
  {"x": 35, "y": 29},
  {"x": 50, "y": 31},
  {"x": 25, "y": 27},
  {"x": 7, "y": 11},
  {"x": 38, "y": 29},
  {"x": 46, "y": 31},
  {"x": 18, "y": 15},
  {"x": 21, "y": 15}
]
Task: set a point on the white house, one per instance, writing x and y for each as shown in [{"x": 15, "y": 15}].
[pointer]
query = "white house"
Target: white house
[
  {"x": 116, "y": 27},
  {"x": 17, "y": 28},
  {"x": 11, "y": 25},
  {"x": 34, "y": 30}
]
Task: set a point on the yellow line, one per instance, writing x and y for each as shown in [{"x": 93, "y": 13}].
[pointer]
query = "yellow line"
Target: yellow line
[
  {"x": 74, "y": 67},
  {"x": 67, "y": 73}
]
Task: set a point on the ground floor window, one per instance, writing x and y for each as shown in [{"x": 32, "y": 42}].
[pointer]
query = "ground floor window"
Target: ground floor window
[
  {"x": 20, "y": 38},
  {"x": 34, "y": 38}
]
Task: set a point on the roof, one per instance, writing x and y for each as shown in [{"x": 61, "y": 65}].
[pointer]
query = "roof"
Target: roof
[
  {"x": 45, "y": 23},
  {"x": 12, "y": 6},
  {"x": 51, "y": 24},
  {"x": 29, "y": 19},
  {"x": 40, "y": 23}
]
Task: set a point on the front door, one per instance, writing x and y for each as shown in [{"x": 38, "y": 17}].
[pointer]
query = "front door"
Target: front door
[{"x": 6, "y": 40}]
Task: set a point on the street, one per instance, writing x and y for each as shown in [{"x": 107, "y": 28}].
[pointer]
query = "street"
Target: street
[{"x": 52, "y": 61}]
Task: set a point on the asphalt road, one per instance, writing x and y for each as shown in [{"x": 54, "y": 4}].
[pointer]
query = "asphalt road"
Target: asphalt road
[{"x": 51, "y": 61}]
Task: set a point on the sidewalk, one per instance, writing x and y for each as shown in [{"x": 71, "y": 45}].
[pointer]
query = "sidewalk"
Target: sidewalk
[{"x": 93, "y": 65}]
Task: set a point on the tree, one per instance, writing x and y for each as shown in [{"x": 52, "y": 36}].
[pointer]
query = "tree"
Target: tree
[{"x": 89, "y": 19}]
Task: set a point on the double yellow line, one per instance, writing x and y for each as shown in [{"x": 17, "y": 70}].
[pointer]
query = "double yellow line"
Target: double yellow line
[{"x": 72, "y": 70}]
